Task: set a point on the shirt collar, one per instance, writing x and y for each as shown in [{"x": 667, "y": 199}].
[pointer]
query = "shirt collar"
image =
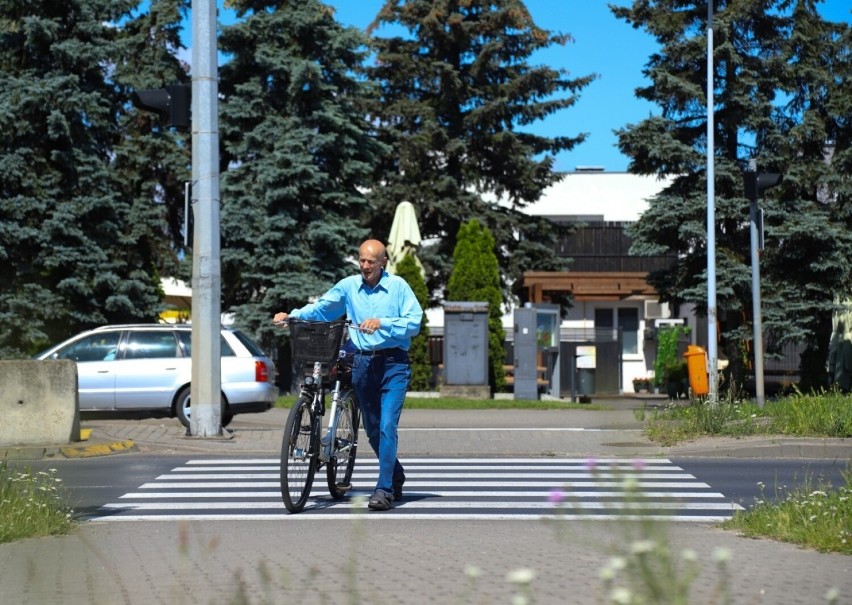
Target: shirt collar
[{"x": 379, "y": 284}]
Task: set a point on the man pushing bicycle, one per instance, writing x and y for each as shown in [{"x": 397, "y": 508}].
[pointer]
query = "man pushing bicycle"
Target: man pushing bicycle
[{"x": 386, "y": 309}]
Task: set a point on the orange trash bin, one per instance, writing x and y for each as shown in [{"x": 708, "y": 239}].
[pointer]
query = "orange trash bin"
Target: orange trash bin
[{"x": 696, "y": 366}]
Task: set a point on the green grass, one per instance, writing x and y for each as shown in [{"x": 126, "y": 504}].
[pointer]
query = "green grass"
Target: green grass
[
  {"x": 827, "y": 414},
  {"x": 815, "y": 517},
  {"x": 453, "y": 403},
  {"x": 31, "y": 505}
]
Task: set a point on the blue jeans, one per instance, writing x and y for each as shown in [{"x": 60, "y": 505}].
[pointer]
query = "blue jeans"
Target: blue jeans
[{"x": 380, "y": 383}]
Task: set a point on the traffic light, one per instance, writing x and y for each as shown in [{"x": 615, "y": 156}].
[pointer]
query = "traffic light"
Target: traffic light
[
  {"x": 756, "y": 182},
  {"x": 171, "y": 103}
]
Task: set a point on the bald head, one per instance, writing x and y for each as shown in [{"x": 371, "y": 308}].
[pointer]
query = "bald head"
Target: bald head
[
  {"x": 373, "y": 247},
  {"x": 372, "y": 258}
]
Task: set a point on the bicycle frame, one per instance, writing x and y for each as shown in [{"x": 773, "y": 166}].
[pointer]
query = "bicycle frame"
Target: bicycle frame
[{"x": 317, "y": 391}]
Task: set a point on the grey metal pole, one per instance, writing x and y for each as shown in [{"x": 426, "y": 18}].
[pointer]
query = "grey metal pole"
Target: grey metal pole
[
  {"x": 712, "y": 330},
  {"x": 205, "y": 419},
  {"x": 755, "y": 298}
]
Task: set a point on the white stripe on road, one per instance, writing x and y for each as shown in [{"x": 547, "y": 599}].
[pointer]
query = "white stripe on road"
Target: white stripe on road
[
  {"x": 348, "y": 504},
  {"x": 367, "y": 515},
  {"x": 600, "y": 462},
  {"x": 522, "y": 429},
  {"x": 429, "y": 494},
  {"x": 450, "y": 467},
  {"x": 461, "y": 476},
  {"x": 276, "y": 484}
]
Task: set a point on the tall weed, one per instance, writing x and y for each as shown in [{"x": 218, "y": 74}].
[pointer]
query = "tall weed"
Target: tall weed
[{"x": 31, "y": 504}]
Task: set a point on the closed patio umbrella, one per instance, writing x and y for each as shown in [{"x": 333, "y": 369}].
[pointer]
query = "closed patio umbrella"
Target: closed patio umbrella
[{"x": 404, "y": 236}]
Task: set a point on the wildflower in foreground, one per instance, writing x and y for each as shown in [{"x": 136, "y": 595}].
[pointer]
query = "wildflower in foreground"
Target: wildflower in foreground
[
  {"x": 722, "y": 555},
  {"x": 591, "y": 465},
  {"x": 557, "y": 496},
  {"x": 621, "y": 596},
  {"x": 643, "y": 546},
  {"x": 523, "y": 575}
]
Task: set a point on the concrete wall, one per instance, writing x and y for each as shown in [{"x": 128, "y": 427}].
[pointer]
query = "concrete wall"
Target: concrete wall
[{"x": 38, "y": 403}]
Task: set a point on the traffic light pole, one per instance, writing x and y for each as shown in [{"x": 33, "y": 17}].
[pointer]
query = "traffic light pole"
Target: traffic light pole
[
  {"x": 754, "y": 183},
  {"x": 206, "y": 415}
]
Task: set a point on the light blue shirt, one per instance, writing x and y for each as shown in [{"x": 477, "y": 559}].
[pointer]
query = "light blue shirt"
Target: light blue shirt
[{"x": 392, "y": 302}]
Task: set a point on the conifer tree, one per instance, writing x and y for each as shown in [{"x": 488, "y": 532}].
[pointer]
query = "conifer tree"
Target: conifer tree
[
  {"x": 296, "y": 153},
  {"x": 476, "y": 277},
  {"x": 63, "y": 220},
  {"x": 418, "y": 353},
  {"x": 778, "y": 69},
  {"x": 457, "y": 93}
]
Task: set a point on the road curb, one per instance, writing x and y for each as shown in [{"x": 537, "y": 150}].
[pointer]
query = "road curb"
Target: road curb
[{"x": 99, "y": 449}]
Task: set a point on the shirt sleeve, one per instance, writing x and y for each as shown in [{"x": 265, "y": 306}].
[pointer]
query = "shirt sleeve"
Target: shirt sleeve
[
  {"x": 407, "y": 325},
  {"x": 330, "y": 306}
]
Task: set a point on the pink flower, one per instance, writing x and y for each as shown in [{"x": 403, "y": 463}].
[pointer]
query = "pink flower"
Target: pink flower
[
  {"x": 557, "y": 496},
  {"x": 591, "y": 465},
  {"x": 638, "y": 465}
]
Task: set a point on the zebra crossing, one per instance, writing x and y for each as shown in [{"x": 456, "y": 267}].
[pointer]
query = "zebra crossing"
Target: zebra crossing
[{"x": 436, "y": 488}]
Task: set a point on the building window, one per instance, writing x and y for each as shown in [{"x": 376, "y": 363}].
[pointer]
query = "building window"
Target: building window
[{"x": 627, "y": 319}]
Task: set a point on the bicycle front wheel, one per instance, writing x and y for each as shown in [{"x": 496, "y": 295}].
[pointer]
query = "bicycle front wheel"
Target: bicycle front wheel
[
  {"x": 342, "y": 462},
  {"x": 298, "y": 461}
]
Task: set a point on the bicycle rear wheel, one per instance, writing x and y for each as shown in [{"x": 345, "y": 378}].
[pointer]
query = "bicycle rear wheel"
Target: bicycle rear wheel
[
  {"x": 298, "y": 462},
  {"x": 342, "y": 462}
]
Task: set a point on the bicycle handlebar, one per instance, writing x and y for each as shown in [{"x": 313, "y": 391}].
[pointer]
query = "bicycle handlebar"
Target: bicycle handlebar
[{"x": 349, "y": 324}]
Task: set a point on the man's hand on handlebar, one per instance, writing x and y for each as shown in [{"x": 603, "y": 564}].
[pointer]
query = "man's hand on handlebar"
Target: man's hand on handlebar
[
  {"x": 280, "y": 319},
  {"x": 370, "y": 325}
]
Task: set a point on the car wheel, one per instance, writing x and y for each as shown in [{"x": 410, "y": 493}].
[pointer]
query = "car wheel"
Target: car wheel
[{"x": 183, "y": 410}]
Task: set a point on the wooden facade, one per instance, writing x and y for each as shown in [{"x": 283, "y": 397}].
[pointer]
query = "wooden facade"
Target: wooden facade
[{"x": 602, "y": 267}]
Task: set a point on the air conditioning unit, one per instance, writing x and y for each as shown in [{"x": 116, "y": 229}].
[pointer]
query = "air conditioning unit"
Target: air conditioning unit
[{"x": 655, "y": 309}]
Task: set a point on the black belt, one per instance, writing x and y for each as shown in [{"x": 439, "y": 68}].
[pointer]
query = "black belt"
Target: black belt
[{"x": 379, "y": 352}]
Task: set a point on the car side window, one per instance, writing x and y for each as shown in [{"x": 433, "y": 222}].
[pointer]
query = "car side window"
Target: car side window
[
  {"x": 143, "y": 344},
  {"x": 185, "y": 336},
  {"x": 94, "y": 347}
]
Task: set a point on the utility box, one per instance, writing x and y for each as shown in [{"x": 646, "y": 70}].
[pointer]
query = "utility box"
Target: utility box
[
  {"x": 526, "y": 354},
  {"x": 466, "y": 349},
  {"x": 536, "y": 361}
]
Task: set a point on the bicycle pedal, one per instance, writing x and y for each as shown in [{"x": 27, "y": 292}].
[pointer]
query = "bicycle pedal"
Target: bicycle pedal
[{"x": 341, "y": 485}]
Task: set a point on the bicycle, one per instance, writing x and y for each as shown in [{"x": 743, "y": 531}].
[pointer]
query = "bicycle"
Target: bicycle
[{"x": 305, "y": 449}]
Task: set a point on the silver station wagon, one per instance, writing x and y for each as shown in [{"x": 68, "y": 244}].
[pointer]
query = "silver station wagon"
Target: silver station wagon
[{"x": 148, "y": 367}]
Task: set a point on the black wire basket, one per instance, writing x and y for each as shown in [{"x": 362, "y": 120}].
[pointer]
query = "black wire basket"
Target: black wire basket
[{"x": 316, "y": 340}]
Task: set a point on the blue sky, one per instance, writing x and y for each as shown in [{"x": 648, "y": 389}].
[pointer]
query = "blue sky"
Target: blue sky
[{"x": 602, "y": 45}]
